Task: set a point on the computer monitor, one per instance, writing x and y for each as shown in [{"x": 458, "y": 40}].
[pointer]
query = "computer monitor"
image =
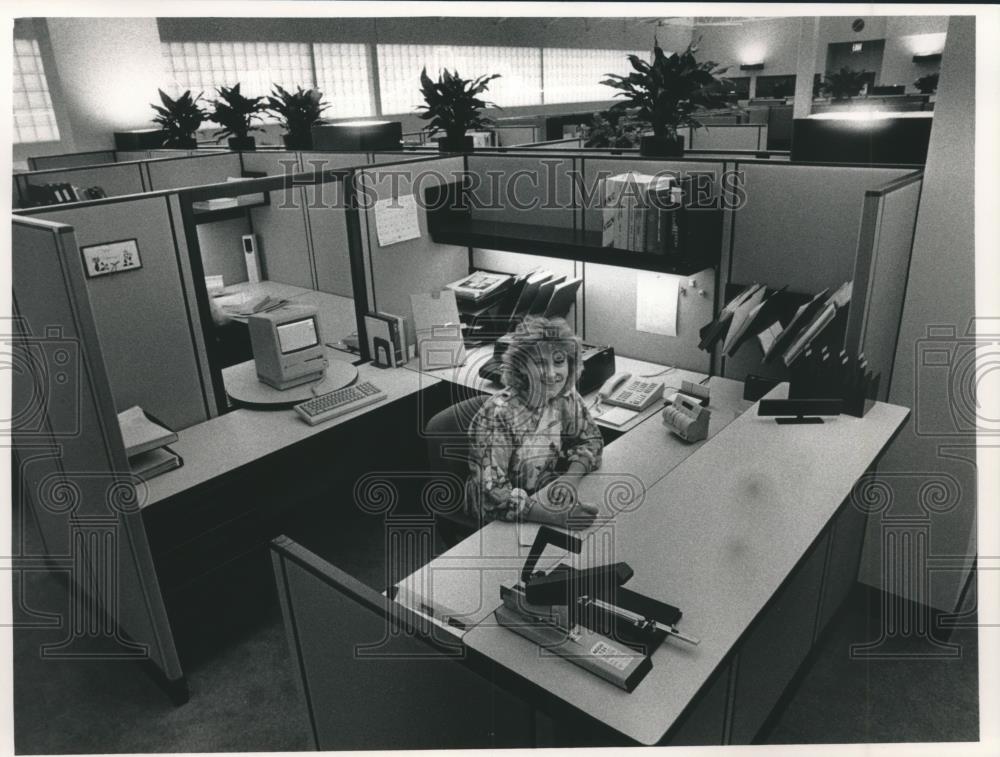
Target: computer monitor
[{"x": 287, "y": 346}]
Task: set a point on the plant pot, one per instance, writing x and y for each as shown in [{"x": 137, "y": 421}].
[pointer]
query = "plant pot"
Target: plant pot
[
  {"x": 242, "y": 143},
  {"x": 298, "y": 141},
  {"x": 662, "y": 147},
  {"x": 450, "y": 144}
]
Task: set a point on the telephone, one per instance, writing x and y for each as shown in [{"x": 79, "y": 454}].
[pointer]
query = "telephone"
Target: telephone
[{"x": 634, "y": 394}]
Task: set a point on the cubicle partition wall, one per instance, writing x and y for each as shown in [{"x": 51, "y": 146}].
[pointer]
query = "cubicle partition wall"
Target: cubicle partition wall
[
  {"x": 145, "y": 317},
  {"x": 782, "y": 235},
  {"x": 520, "y": 134},
  {"x": 115, "y": 179},
  {"x": 348, "y": 638},
  {"x": 72, "y": 472},
  {"x": 568, "y": 143},
  {"x": 726, "y": 136},
  {"x": 881, "y": 270},
  {"x": 395, "y": 270},
  {"x": 71, "y": 160},
  {"x": 193, "y": 171}
]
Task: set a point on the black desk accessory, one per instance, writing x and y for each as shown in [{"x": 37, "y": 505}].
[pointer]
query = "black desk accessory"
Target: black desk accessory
[
  {"x": 820, "y": 373},
  {"x": 798, "y": 411},
  {"x": 586, "y": 615}
]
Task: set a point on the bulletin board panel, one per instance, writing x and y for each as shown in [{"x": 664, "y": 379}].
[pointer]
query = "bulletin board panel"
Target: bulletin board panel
[
  {"x": 416, "y": 265},
  {"x": 174, "y": 173},
  {"x": 148, "y": 340},
  {"x": 71, "y": 458},
  {"x": 611, "y": 299}
]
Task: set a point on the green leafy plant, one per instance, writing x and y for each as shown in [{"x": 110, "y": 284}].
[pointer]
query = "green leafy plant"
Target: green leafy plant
[
  {"x": 614, "y": 130},
  {"x": 668, "y": 90},
  {"x": 844, "y": 83},
  {"x": 451, "y": 103},
  {"x": 235, "y": 113},
  {"x": 179, "y": 119},
  {"x": 297, "y": 112},
  {"x": 927, "y": 84}
]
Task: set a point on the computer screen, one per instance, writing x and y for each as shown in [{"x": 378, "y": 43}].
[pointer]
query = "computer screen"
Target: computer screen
[{"x": 297, "y": 335}]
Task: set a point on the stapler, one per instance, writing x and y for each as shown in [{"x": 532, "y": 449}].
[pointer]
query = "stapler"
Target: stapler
[{"x": 586, "y": 615}]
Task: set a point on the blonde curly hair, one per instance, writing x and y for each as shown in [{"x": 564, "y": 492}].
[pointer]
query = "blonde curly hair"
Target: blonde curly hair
[{"x": 527, "y": 339}]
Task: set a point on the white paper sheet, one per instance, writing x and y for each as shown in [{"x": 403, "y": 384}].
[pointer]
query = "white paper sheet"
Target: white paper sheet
[
  {"x": 656, "y": 299},
  {"x": 396, "y": 220}
]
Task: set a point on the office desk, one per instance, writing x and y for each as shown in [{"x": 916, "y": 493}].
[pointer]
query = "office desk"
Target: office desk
[
  {"x": 244, "y": 471},
  {"x": 464, "y": 583},
  {"x": 740, "y": 537}
]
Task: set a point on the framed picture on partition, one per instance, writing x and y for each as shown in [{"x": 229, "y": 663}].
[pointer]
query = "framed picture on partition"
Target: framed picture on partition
[{"x": 111, "y": 257}]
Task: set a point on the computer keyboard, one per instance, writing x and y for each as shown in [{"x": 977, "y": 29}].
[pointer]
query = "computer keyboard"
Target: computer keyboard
[{"x": 335, "y": 403}]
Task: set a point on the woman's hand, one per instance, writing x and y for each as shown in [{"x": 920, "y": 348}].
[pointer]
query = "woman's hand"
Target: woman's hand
[{"x": 568, "y": 512}]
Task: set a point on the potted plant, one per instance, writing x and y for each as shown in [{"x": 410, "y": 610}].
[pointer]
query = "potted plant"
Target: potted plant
[
  {"x": 666, "y": 91},
  {"x": 297, "y": 112},
  {"x": 611, "y": 129},
  {"x": 844, "y": 84},
  {"x": 236, "y": 113},
  {"x": 179, "y": 119},
  {"x": 927, "y": 85},
  {"x": 452, "y": 106}
]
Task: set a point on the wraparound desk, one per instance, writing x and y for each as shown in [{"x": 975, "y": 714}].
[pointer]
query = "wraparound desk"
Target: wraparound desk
[{"x": 750, "y": 537}]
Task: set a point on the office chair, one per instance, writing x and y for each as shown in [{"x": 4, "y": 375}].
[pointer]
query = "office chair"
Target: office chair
[{"x": 448, "y": 451}]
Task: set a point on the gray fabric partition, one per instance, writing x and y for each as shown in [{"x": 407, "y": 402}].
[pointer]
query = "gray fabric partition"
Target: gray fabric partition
[
  {"x": 535, "y": 190},
  {"x": 116, "y": 179},
  {"x": 72, "y": 468},
  {"x": 880, "y": 273},
  {"x": 150, "y": 343},
  {"x": 417, "y": 265},
  {"x": 348, "y": 647},
  {"x": 174, "y": 173},
  {"x": 71, "y": 160}
]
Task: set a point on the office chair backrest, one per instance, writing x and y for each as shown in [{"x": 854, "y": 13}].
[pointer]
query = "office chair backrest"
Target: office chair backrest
[
  {"x": 448, "y": 447},
  {"x": 375, "y": 675}
]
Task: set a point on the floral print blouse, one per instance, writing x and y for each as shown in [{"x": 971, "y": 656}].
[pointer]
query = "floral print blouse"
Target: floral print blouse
[{"x": 516, "y": 450}]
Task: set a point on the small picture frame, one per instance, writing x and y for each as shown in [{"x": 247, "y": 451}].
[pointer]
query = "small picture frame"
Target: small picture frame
[{"x": 111, "y": 257}]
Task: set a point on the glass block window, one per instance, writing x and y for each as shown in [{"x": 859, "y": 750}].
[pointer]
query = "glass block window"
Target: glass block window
[
  {"x": 203, "y": 66},
  {"x": 34, "y": 118},
  {"x": 574, "y": 76},
  {"x": 399, "y": 69},
  {"x": 343, "y": 76}
]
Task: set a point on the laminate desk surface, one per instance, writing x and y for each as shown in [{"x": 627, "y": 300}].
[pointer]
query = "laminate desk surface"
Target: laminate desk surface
[
  {"x": 464, "y": 583},
  {"x": 716, "y": 537},
  {"x": 222, "y": 444}
]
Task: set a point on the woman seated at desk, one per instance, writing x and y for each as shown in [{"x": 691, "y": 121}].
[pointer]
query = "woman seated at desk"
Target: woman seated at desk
[{"x": 533, "y": 430}]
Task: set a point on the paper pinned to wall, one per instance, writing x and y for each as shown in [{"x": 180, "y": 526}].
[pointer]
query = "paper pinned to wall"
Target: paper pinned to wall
[
  {"x": 396, "y": 220},
  {"x": 656, "y": 300}
]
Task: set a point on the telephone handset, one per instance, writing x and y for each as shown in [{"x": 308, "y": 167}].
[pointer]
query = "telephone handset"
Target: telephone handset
[{"x": 632, "y": 393}]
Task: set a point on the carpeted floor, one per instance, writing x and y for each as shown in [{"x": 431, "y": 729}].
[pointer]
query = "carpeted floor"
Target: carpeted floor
[{"x": 244, "y": 696}]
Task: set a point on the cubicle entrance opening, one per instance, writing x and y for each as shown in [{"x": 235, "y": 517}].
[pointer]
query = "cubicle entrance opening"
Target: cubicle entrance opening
[{"x": 268, "y": 244}]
